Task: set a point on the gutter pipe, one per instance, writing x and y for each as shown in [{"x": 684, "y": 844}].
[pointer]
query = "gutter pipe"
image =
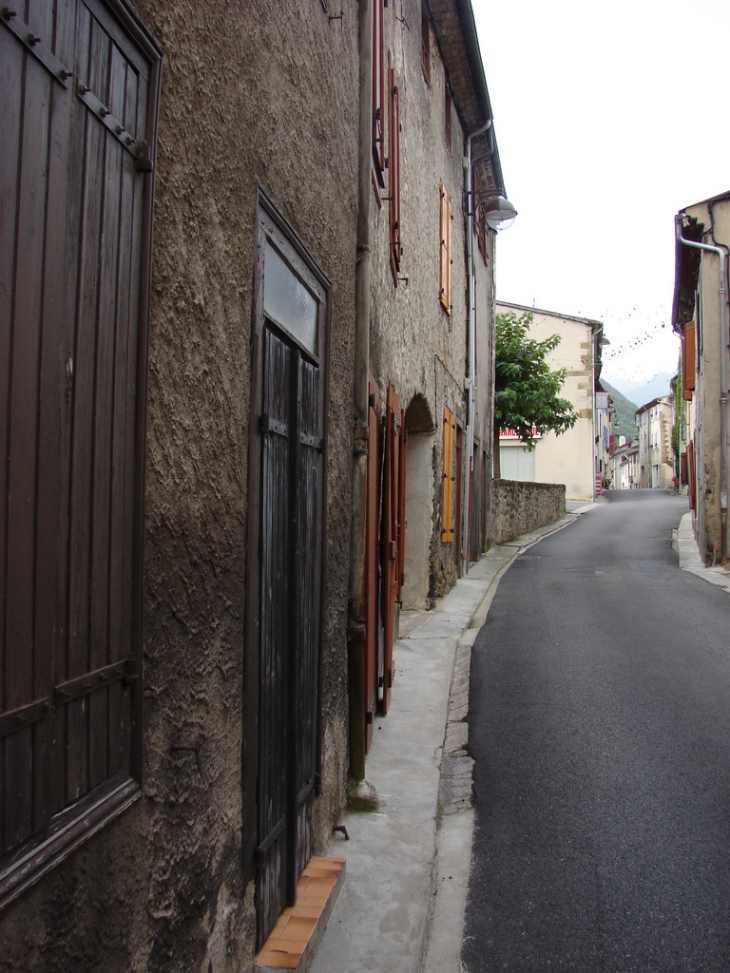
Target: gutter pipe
[
  {"x": 356, "y": 602},
  {"x": 724, "y": 333},
  {"x": 469, "y": 381}
]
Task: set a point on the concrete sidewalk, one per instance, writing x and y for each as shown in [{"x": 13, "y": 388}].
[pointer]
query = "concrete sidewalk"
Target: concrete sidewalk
[{"x": 409, "y": 846}]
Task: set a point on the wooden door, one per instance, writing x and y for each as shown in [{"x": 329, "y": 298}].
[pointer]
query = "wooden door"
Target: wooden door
[
  {"x": 458, "y": 486},
  {"x": 393, "y": 534},
  {"x": 372, "y": 564},
  {"x": 79, "y": 85},
  {"x": 286, "y": 541}
]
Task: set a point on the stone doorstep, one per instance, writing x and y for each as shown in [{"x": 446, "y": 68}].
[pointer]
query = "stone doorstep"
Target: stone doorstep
[{"x": 296, "y": 935}]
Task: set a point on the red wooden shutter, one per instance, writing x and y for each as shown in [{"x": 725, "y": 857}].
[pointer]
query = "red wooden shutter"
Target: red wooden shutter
[
  {"x": 447, "y": 479},
  {"x": 378, "y": 101},
  {"x": 396, "y": 249},
  {"x": 688, "y": 361}
]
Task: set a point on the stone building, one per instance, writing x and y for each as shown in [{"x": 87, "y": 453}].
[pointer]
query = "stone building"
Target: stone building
[
  {"x": 572, "y": 457},
  {"x": 224, "y": 321},
  {"x": 700, "y": 318},
  {"x": 654, "y": 422}
]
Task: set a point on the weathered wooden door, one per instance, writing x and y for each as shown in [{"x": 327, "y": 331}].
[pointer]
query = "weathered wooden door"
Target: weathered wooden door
[
  {"x": 393, "y": 534},
  {"x": 372, "y": 587},
  {"x": 78, "y": 83},
  {"x": 289, "y": 413},
  {"x": 458, "y": 487}
]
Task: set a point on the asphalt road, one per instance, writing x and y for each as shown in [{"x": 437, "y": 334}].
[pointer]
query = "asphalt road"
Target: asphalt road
[{"x": 600, "y": 726}]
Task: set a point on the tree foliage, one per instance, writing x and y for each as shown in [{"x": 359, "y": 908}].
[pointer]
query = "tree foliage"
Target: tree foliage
[{"x": 527, "y": 390}]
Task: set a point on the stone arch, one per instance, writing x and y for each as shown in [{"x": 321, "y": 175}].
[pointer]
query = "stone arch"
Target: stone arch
[{"x": 420, "y": 429}]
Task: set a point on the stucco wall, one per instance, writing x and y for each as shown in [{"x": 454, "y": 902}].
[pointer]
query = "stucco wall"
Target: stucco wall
[
  {"x": 252, "y": 93},
  {"x": 518, "y": 508},
  {"x": 415, "y": 344}
]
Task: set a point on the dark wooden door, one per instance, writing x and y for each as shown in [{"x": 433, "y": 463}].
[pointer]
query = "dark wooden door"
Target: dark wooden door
[
  {"x": 288, "y": 537},
  {"x": 393, "y": 534},
  {"x": 372, "y": 563},
  {"x": 77, "y": 104}
]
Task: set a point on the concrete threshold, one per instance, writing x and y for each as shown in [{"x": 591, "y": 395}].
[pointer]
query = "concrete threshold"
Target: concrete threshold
[{"x": 409, "y": 847}]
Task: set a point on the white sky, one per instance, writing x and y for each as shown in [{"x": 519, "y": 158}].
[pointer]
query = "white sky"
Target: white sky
[{"x": 609, "y": 117}]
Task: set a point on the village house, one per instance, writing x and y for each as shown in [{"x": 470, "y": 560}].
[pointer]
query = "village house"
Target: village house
[
  {"x": 700, "y": 318},
  {"x": 573, "y": 457},
  {"x": 246, "y": 315},
  {"x": 654, "y": 422}
]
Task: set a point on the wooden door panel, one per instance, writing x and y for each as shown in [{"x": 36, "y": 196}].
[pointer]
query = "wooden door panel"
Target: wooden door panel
[{"x": 371, "y": 561}]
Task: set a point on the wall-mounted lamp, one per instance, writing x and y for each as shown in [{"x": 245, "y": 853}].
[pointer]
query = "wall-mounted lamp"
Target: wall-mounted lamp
[{"x": 500, "y": 213}]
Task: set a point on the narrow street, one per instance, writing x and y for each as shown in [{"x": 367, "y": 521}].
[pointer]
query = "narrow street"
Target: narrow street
[{"x": 600, "y": 726}]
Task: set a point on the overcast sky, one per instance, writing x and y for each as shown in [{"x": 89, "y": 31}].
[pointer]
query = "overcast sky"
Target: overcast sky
[{"x": 609, "y": 117}]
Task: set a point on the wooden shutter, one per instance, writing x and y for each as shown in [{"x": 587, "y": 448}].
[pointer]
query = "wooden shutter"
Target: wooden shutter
[
  {"x": 445, "y": 249},
  {"x": 447, "y": 115},
  {"x": 447, "y": 479},
  {"x": 425, "y": 43},
  {"x": 396, "y": 248},
  {"x": 378, "y": 100},
  {"x": 689, "y": 363},
  {"x": 392, "y": 535},
  {"x": 78, "y": 114}
]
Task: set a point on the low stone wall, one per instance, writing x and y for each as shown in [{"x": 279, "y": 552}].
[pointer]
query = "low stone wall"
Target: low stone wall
[{"x": 517, "y": 508}]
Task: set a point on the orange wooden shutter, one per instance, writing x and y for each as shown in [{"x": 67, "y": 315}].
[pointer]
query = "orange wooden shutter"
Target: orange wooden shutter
[
  {"x": 378, "y": 101},
  {"x": 445, "y": 248}
]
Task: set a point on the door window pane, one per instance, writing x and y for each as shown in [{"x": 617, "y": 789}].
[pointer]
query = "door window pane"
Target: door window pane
[{"x": 288, "y": 302}]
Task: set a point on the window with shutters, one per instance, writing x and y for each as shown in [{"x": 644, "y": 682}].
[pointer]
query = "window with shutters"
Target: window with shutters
[
  {"x": 447, "y": 479},
  {"x": 396, "y": 248},
  {"x": 79, "y": 116},
  {"x": 425, "y": 43},
  {"x": 378, "y": 101},
  {"x": 445, "y": 249}
]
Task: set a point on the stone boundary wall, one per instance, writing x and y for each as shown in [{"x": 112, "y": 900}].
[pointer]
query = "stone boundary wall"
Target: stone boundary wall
[{"x": 518, "y": 508}]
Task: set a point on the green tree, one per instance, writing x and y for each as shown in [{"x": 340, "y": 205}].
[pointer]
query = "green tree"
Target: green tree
[{"x": 527, "y": 390}]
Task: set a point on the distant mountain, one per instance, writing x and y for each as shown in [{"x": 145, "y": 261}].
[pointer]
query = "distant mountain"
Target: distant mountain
[
  {"x": 643, "y": 392},
  {"x": 625, "y": 413}
]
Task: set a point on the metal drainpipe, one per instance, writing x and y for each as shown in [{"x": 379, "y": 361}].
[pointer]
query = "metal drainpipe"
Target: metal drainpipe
[
  {"x": 356, "y": 609},
  {"x": 724, "y": 333},
  {"x": 469, "y": 381}
]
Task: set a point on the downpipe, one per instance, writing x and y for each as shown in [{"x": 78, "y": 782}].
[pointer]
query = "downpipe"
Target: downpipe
[
  {"x": 724, "y": 336},
  {"x": 470, "y": 380}
]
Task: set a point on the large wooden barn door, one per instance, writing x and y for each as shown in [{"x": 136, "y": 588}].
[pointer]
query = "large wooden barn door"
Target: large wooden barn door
[
  {"x": 77, "y": 104},
  {"x": 292, "y": 492}
]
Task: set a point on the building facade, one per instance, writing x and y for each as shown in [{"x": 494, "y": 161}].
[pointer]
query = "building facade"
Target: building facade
[
  {"x": 700, "y": 317},
  {"x": 654, "y": 422},
  {"x": 244, "y": 282},
  {"x": 572, "y": 457}
]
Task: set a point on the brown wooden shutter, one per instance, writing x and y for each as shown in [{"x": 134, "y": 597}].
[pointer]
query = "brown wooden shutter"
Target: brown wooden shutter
[
  {"x": 425, "y": 43},
  {"x": 378, "y": 100},
  {"x": 447, "y": 115},
  {"x": 447, "y": 479},
  {"x": 396, "y": 248},
  {"x": 689, "y": 362},
  {"x": 79, "y": 113}
]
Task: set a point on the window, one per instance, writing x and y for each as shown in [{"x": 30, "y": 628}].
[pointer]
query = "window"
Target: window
[
  {"x": 425, "y": 43},
  {"x": 480, "y": 222},
  {"x": 445, "y": 249},
  {"x": 396, "y": 248},
  {"x": 70, "y": 646},
  {"x": 378, "y": 101},
  {"x": 447, "y": 115},
  {"x": 447, "y": 479}
]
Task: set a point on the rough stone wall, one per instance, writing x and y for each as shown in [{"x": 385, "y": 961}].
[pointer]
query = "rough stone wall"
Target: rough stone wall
[
  {"x": 484, "y": 277},
  {"x": 415, "y": 344},
  {"x": 252, "y": 93},
  {"x": 518, "y": 508}
]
